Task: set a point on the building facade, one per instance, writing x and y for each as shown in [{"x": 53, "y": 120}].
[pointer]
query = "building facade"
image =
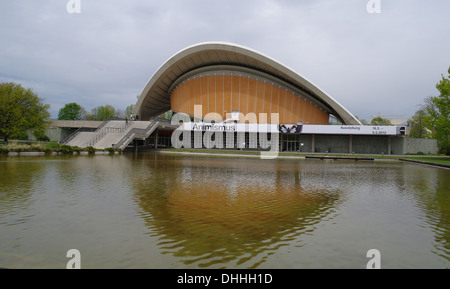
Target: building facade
[
  {"x": 223, "y": 83},
  {"x": 224, "y": 78},
  {"x": 226, "y": 96}
]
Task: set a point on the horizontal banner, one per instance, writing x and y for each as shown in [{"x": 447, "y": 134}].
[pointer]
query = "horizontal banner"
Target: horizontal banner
[
  {"x": 230, "y": 127},
  {"x": 294, "y": 129},
  {"x": 351, "y": 129}
]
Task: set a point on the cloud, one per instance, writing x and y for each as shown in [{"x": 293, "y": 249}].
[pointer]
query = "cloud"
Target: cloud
[{"x": 370, "y": 63}]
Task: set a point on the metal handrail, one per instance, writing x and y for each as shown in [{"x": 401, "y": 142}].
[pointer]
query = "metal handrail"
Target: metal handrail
[
  {"x": 84, "y": 129},
  {"x": 135, "y": 131},
  {"x": 104, "y": 130},
  {"x": 75, "y": 133}
]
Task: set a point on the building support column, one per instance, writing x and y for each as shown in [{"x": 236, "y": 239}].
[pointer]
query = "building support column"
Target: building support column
[
  {"x": 281, "y": 141},
  {"x": 313, "y": 143},
  {"x": 156, "y": 139},
  {"x": 350, "y": 144},
  {"x": 389, "y": 145}
]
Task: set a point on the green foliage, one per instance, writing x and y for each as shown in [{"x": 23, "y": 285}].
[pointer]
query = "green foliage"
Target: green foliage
[
  {"x": 20, "y": 110},
  {"x": 110, "y": 150},
  {"x": 417, "y": 125},
  {"x": 36, "y": 148},
  {"x": 72, "y": 111},
  {"x": 17, "y": 147},
  {"x": 52, "y": 145},
  {"x": 129, "y": 110},
  {"x": 91, "y": 150},
  {"x": 65, "y": 149},
  {"x": 41, "y": 137},
  {"x": 102, "y": 113},
  {"x": 438, "y": 114},
  {"x": 380, "y": 121},
  {"x": 77, "y": 149},
  {"x": 48, "y": 148}
]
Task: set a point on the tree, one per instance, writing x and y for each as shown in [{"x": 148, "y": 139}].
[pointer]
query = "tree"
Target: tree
[
  {"x": 72, "y": 111},
  {"x": 102, "y": 113},
  {"x": 438, "y": 114},
  {"x": 20, "y": 110},
  {"x": 380, "y": 121},
  {"x": 417, "y": 125},
  {"x": 129, "y": 110}
]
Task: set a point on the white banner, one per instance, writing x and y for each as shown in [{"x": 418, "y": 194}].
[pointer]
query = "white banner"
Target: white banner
[
  {"x": 350, "y": 129},
  {"x": 230, "y": 127},
  {"x": 293, "y": 129}
]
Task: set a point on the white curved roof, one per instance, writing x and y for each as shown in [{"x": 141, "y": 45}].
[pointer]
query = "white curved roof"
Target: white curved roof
[{"x": 155, "y": 98}]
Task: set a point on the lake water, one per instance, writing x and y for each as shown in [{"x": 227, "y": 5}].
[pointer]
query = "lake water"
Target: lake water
[{"x": 159, "y": 210}]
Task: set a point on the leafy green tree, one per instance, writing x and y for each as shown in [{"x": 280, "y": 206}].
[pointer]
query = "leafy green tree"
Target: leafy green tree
[
  {"x": 438, "y": 114},
  {"x": 20, "y": 110},
  {"x": 417, "y": 125},
  {"x": 72, "y": 111},
  {"x": 380, "y": 121},
  {"x": 102, "y": 113},
  {"x": 129, "y": 110}
]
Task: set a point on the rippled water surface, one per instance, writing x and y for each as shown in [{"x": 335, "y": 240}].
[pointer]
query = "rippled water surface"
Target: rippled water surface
[{"x": 155, "y": 210}]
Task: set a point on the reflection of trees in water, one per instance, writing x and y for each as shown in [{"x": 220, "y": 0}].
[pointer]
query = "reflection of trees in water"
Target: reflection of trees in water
[
  {"x": 18, "y": 178},
  {"x": 215, "y": 212},
  {"x": 431, "y": 188},
  {"x": 442, "y": 226}
]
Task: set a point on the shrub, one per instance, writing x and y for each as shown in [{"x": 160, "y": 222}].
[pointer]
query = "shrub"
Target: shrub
[
  {"x": 110, "y": 150},
  {"x": 37, "y": 148},
  {"x": 65, "y": 149},
  {"x": 77, "y": 149},
  {"x": 91, "y": 150},
  {"x": 17, "y": 148},
  {"x": 43, "y": 138}
]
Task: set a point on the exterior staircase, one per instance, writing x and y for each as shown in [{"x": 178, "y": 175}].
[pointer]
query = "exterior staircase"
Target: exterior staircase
[{"x": 113, "y": 133}]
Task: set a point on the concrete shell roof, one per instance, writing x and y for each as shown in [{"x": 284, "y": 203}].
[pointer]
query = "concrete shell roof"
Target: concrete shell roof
[{"x": 155, "y": 98}]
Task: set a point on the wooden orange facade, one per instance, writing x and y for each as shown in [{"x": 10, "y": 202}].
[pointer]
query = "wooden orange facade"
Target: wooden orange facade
[{"x": 224, "y": 93}]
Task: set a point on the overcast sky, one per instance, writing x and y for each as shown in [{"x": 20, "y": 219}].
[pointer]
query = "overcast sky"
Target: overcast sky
[{"x": 383, "y": 63}]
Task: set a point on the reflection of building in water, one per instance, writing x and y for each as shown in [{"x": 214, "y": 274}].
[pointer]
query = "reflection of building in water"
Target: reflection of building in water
[{"x": 211, "y": 213}]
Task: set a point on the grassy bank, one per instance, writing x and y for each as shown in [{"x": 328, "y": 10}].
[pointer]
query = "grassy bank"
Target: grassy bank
[
  {"x": 48, "y": 148},
  {"x": 432, "y": 160}
]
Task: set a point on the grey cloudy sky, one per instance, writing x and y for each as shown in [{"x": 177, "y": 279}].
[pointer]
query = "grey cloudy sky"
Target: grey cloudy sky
[{"x": 370, "y": 63}]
